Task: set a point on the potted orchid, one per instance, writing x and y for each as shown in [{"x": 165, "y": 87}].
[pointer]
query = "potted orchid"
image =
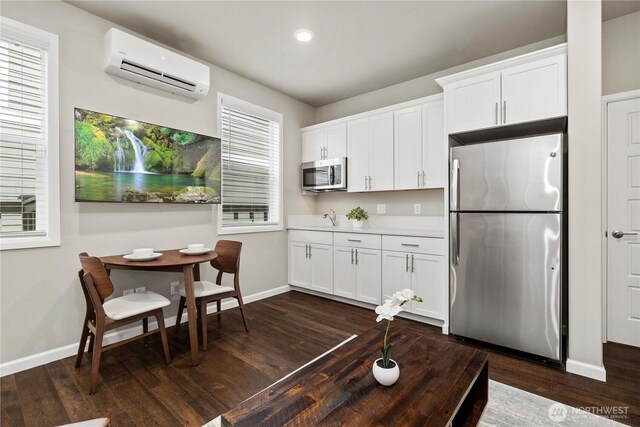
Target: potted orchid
[{"x": 386, "y": 370}]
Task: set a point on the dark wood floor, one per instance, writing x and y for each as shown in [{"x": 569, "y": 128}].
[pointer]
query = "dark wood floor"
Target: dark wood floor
[{"x": 288, "y": 330}]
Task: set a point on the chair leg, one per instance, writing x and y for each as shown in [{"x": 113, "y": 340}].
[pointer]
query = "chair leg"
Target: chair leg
[
  {"x": 145, "y": 329},
  {"x": 163, "y": 336},
  {"x": 83, "y": 343},
  {"x": 203, "y": 322},
  {"x": 219, "y": 308},
  {"x": 92, "y": 338},
  {"x": 95, "y": 362},
  {"x": 183, "y": 300},
  {"x": 241, "y": 305}
]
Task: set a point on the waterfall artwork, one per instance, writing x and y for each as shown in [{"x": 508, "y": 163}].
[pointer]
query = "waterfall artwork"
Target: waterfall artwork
[{"x": 124, "y": 160}]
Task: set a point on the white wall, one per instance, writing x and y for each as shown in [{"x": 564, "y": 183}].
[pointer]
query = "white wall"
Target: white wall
[
  {"x": 621, "y": 54},
  {"x": 585, "y": 182},
  {"x": 41, "y": 304}
]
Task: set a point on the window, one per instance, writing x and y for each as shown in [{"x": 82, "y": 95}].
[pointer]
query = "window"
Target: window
[
  {"x": 29, "y": 182},
  {"x": 251, "y": 167}
]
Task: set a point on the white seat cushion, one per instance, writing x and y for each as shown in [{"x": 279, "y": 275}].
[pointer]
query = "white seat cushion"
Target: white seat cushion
[
  {"x": 204, "y": 289},
  {"x": 132, "y": 304}
]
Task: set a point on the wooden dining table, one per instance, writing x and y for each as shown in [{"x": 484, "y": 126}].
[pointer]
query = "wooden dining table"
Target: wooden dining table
[{"x": 174, "y": 261}]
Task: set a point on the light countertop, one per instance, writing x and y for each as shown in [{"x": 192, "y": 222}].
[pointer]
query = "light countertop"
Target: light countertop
[{"x": 392, "y": 231}]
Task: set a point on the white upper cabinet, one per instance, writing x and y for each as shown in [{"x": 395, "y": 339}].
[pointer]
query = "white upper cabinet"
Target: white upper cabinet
[
  {"x": 324, "y": 143},
  {"x": 473, "y": 103},
  {"x": 535, "y": 90},
  {"x": 408, "y": 148},
  {"x": 419, "y": 146},
  {"x": 370, "y": 153},
  {"x": 381, "y": 152},
  {"x": 526, "y": 88}
]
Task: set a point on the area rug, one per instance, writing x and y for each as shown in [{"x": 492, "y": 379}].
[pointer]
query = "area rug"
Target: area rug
[{"x": 509, "y": 406}]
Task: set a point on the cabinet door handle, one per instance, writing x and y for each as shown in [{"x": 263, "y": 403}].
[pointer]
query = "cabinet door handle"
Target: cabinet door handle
[
  {"x": 306, "y": 251},
  {"x": 356, "y": 257},
  {"x": 496, "y": 113},
  {"x": 365, "y": 182},
  {"x": 412, "y": 266},
  {"x": 354, "y": 240},
  {"x": 423, "y": 179},
  {"x": 369, "y": 182},
  {"x": 406, "y": 262},
  {"x": 309, "y": 251},
  {"x": 351, "y": 256},
  {"x": 411, "y": 245},
  {"x": 418, "y": 178},
  {"x": 504, "y": 112}
]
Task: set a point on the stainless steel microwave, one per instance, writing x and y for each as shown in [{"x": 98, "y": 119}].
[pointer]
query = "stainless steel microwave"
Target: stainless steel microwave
[{"x": 325, "y": 175}]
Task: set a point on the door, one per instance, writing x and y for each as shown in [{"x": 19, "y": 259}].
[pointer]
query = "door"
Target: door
[
  {"x": 408, "y": 148},
  {"x": 427, "y": 278},
  {"x": 434, "y": 146},
  {"x": 299, "y": 264},
  {"x": 506, "y": 280},
  {"x": 312, "y": 145},
  {"x": 344, "y": 272},
  {"x": 358, "y": 153},
  {"x": 368, "y": 275},
  {"x": 514, "y": 175},
  {"x": 321, "y": 260},
  {"x": 623, "y": 216},
  {"x": 535, "y": 90},
  {"x": 381, "y": 152},
  {"x": 474, "y": 103},
  {"x": 336, "y": 141},
  {"x": 395, "y": 274}
]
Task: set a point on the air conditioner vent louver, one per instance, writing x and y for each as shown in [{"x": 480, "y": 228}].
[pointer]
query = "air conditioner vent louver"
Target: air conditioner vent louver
[
  {"x": 136, "y": 59},
  {"x": 152, "y": 74}
]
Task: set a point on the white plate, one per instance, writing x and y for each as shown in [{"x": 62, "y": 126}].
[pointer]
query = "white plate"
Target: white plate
[
  {"x": 196, "y": 252},
  {"x": 132, "y": 257}
]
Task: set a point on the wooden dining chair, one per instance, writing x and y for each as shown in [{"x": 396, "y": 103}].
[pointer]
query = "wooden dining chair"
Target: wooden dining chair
[
  {"x": 102, "y": 316},
  {"x": 227, "y": 261}
]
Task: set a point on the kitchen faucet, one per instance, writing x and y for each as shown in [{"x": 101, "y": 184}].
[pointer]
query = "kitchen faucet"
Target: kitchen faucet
[{"x": 331, "y": 216}]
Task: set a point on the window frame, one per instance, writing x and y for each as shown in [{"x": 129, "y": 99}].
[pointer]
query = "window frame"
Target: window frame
[
  {"x": 274, "y": 116},
  {"x": 46, "y": 41}
]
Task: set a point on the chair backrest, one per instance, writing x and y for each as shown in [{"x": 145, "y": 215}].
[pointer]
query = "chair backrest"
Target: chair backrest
[
  {"x": 228, "y": 259},
  {"x": 99, "y": 275}
]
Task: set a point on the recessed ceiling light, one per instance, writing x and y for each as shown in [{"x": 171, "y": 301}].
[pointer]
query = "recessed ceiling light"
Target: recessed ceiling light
[{"x": 304, "y": 35}]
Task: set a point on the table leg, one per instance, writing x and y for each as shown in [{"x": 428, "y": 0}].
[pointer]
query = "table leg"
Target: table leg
[{"x": 191, "y": 313}]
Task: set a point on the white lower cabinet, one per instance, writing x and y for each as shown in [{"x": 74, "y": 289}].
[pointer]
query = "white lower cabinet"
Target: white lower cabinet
[
  {"x": 418, "y": 264},
  {"x": 370, "y": 267},
  {"x": 311, "y": 263},
  {"x": 357, "y": 273}
]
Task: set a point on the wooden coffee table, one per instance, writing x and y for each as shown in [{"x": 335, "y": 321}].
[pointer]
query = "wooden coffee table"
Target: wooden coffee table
[{"x": 441, "y": 383}]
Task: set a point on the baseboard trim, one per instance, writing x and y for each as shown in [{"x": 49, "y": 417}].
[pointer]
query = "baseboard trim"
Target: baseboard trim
[
  {"x": 52, "y": 355},
  {"x": 587, "y": 370}
]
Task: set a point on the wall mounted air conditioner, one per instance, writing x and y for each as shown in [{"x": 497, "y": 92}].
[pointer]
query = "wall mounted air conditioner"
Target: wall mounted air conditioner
[{"x": 135, "y": 59}]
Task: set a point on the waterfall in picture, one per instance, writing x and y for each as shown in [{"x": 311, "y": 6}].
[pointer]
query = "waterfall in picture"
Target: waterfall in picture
[
  {"x": 139, "y": 150},
  {"x": 118, "y": 156}
]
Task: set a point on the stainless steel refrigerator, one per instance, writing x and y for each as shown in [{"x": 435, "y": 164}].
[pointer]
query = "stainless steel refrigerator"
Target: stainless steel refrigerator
[{"x": 506, "y": 219}]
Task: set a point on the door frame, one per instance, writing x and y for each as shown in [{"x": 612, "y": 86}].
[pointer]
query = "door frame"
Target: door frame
[{"x": 606, "y": 100}]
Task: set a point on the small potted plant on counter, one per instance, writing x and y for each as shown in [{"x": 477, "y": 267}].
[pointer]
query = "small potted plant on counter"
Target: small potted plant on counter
[{"x": 357, "y": 216}]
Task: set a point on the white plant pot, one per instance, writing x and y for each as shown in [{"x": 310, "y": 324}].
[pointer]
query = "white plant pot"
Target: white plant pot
[
  {"x": 386, "y": 376},
  {"x": 357, "y": 224}
]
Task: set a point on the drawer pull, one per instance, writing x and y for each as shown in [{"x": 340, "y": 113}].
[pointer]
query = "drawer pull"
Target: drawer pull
[
  {"x": 354, "y": 240},
  {"x": 412, "y": 245}
]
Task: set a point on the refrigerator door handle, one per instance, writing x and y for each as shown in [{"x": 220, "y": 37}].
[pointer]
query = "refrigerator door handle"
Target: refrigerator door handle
[
  {"x": 455, "y": 239},
  {"x": 455, "y": 184}
]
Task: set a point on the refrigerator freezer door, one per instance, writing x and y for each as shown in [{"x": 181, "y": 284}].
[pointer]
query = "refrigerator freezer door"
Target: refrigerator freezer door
[
  {"x": 512, "y": 175},
  {"x": 505, "y": 283}
]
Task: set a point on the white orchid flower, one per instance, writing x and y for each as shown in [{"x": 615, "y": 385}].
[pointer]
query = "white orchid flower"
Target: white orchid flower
[
  {"x": 387, "y": 311},
  {"x": 404, "y": 295}
]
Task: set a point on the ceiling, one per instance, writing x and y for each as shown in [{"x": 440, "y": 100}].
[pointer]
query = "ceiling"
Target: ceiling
[{"x": 358, "y": 47}]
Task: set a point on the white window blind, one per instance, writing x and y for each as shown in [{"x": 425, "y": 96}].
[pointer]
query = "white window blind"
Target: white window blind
[
  {"x": 25, "y": 134},
  {"x": 250, "y": 167}
]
